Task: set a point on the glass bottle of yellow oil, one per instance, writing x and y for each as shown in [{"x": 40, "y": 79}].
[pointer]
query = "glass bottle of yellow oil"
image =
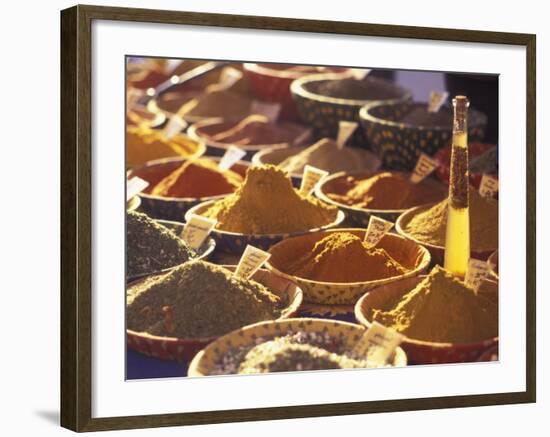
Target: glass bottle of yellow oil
[{"x": 457, "y": 240}]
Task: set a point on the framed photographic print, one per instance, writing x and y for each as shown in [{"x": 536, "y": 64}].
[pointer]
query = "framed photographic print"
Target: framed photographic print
[{"x": 267, "y": 218}]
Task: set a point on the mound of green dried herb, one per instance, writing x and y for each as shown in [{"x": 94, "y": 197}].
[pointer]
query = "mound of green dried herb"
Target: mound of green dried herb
[
  {"x": 199, "y": 299},
  {"x": 151, "y": 247}
]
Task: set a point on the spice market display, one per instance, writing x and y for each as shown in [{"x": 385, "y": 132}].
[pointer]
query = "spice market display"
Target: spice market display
[{"x": 296, "y": 218}]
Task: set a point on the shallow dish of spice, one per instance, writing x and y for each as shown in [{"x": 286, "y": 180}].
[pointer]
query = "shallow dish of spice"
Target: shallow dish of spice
[
  {"x": 290, "y": 345},
  {"x": 384, "y": 194},
  {"x": 154, "y": 246},
  {"x": 251, "y": 134},
  {"x": 427, "y": 225},
  {"x": 176, "y": 184},
  {"x": 173, "y": 315},
  {"x": 265, "y": 209},
  {"x": 444, "y": 320},
  {"x": 337, "y": 267}
]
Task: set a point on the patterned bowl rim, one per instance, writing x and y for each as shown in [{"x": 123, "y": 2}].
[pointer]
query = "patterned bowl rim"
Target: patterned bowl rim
[
  {"x": 365, "y": 114},
  {"x": 492, "y": 262},
  {"x": 407, "y": 215},
  {"x": 319, "y": 192},
  {"x": 362, "y": 319},
  {"x": 298, "y": 88},
  {"x": 292, "y": 308},
  {"x": 340, "y": 216},
  {"x": 319, "y": 324},
  {"x": 164, "y": 161},
  {"x": 209, "y": 247},
  {"x": 262, "y": 70},
  {"x": 193, "y": 132},
  {"x": 258, "y": 156},
  {"x": 425, "y": 259}
]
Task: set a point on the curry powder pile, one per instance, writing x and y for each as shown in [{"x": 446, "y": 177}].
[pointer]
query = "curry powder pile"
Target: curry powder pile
[{"x": 266, "y": 203}]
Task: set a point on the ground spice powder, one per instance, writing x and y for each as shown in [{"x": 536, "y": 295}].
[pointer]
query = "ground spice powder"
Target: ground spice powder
[
  {"x": 429, "y": 225},
  {"x": 344, "y": 257},
  {"x": 198, "y": 178},
  {"x": 266, "y": 203},
  {"x": 441, "y": 308},
  {"x": 199, "y": 299}
]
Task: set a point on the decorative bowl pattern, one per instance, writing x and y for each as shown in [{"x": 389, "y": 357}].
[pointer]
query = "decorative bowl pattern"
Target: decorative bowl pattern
[
  {"x": 437, "y": 252},
  {"x": 342, "y": 333},
  {"x": 356, "y": 216},
  {"x": 323, "y": 113},
  {"x": 199, "y": 129},
  {"x": 271, "y": 83},
  {"x": 206, "y": 249},
  {"x": 172, "y": 208},
  {"x": 399, "y": 144},
  {"x": 418, "y": 351},
  {"x": 408, "y": 254},
  {"x": 183, "y": 349},
  {"x": 233, "y": 242}
]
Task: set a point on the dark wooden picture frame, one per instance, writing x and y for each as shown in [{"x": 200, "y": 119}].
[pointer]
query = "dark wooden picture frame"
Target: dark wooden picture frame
[{"x": 76, "y": 218}]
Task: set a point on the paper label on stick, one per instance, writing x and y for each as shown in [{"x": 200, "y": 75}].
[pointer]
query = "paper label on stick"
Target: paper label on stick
[
  {"x": 437, "y": 99},
  {"x": 251, "y": 260},
  {"x": 232, "y": 155},
  {"x": 135, "y": 186},
  {"x": 229, "y": 76},
  {"x": 476, "y": 274},
  {"x": 311, "y": 177},
  {"x": 376, "y": 230},
  {"x": 270, "y": 110},
  {"x": 424, "y": 166},
  {"x": 345, "y": 130},
  {"x": 196, "y": 230},
  {"x": 378, "y": 343},
  {"x": 488, "y": 186},
  {"x": 174, "y": 126},
  {"x": 360, "y": 73}
]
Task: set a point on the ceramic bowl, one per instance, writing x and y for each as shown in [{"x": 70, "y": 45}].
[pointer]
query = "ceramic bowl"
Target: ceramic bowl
[
  {"x": 172, "y": 208},
  {"x": 276, "y": 156},
  {"x": 408, "y": 254},
  {"x": 400, "y": 144},
  {"x": 492, "y": 262},
  {"x": 201, "y": 130},
  {"x": 203, "y": 252},
  {"x": 360, "y": 216},
  {"x": 323, "y": 113},
  {"x": 341, "y": 333},
  {"x": 133, "y": 204},
  {"x": 271, "y": 83},
  {"x": 233, "y": 242},
  {"x": 183, "y": 349},
  {"x": 437, "y": 252},
  {"x": 418, "y": 351}
]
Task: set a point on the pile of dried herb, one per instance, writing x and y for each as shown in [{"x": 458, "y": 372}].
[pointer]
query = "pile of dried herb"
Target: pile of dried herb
[
  {"x": 151, "y": 247},
  {"x": 199, "y": 299}
]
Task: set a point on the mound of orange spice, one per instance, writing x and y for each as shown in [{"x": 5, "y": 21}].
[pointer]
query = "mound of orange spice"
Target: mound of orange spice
[{"x": 344, "y": 257}]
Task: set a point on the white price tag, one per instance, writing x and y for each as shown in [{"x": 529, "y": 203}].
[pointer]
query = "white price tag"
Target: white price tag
[
  {"x": 488, "y": 186},
  {"x": 311, "y": 177},
  {"x": 360, "y": 73},
  {"x": 424, "y": 166},
  {"x": 174, "y": 126},
  {"x": 476, "y": 274},
  {"x": 135, "y": 186},
  {"x": 378, "y": 343},
  {"x": 270, "y": 110},
  {"x": 437, "y": 99},
  {"x": 251, "y": 260},
  {"x": 232, "y": 155},
  {"x": 345, "y": 130},
  {"x": 376, "y": 230},
  {"x": 196, "y": 230},
  {"x": 229, "y": 76}
]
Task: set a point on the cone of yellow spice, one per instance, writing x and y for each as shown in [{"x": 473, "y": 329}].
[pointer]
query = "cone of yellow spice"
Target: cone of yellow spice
[{"x": 267, "y": 203}]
